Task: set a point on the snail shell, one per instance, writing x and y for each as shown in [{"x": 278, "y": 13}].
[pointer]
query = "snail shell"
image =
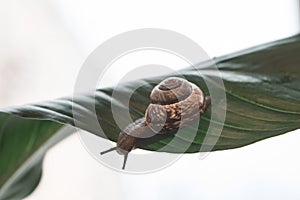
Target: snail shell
[{"x": 174, "y": 103}]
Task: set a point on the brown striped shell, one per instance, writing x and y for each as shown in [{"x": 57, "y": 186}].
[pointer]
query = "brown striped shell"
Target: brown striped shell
[{"x": 175, "y": 103}]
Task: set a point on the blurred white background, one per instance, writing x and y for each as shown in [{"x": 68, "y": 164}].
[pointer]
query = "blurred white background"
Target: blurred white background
[{"x": 44, "y": 43}]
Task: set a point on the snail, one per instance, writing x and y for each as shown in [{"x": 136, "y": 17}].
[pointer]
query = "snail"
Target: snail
[{"x": 174, "y": 103}]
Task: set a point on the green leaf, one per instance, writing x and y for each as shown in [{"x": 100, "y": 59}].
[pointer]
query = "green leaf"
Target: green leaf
[
  {"x": 263, "y": 100},
  {"x": 23, "y": 144}
]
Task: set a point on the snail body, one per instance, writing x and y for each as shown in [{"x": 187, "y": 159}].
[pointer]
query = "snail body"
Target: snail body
[{"x": 174, "y": 103}]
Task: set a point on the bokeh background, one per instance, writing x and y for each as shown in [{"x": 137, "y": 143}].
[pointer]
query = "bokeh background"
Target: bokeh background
[{"x": 44, "y": 43}]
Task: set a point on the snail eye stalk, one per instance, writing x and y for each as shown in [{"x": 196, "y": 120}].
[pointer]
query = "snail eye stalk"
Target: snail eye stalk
[
  {"x": 109, "y": 150},
  {"x": 125, "y": 160},
  {"x": 115, "y": 148}
]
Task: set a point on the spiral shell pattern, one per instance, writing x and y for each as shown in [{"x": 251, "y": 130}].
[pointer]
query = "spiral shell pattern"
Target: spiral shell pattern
[{"x": 175, "y": 103}]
